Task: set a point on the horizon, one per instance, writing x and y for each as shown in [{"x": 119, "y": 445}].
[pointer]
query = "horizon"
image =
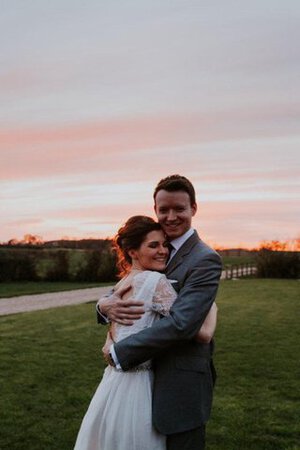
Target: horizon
[
  {"x": 101, "y": 101},
  {"x": 35, "y": 240}
]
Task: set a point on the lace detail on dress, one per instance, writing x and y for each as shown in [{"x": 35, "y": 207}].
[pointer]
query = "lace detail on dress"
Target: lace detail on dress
[
  {"x": 158, "y": 295},
  {"x": 141, "y": 281},
  {"x": 164, "y": 297},
  {"x": 143, "y": 288}
]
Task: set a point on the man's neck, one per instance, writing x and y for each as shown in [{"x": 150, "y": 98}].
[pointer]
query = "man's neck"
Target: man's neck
[{"x": 178, "y": 242}]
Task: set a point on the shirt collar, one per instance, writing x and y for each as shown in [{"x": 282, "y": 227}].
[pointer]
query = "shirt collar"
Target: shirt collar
[{"x": 178, "y": 242}]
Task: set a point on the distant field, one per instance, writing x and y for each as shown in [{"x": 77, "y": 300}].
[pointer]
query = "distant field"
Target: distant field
[
  {"x": 229, "y": 260},
  {"x": 51, "y": 365},
  {"x": 26, "y": 288}
]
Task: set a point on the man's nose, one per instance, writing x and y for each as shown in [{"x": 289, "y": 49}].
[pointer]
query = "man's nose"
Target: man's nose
[{"x": 171, "y": 215}]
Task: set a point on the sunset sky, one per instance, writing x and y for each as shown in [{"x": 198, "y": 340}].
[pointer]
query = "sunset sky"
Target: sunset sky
[{"x": 101, "y": 99}]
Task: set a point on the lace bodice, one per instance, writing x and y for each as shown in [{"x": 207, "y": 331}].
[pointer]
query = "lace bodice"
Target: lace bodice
[{"x": 158, "y": 295}]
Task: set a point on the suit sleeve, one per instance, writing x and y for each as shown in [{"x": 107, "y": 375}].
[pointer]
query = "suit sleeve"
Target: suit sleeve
[{"x": 186, "y": 316}]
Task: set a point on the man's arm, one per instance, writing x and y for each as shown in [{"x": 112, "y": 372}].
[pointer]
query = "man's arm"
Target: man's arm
[
  {"x": 112, "y": 308},
  {"x": 186, "y": 316}
]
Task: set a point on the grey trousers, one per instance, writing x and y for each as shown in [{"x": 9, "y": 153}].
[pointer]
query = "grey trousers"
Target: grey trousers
[{"x": 188, "y": 440}]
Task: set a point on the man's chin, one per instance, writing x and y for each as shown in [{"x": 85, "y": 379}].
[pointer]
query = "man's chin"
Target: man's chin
[{"x": 173, "y": 234}]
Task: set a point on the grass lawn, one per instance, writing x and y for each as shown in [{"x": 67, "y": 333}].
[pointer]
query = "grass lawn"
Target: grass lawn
[
  {"x": 26, "y": 288},
  {"x": 51, "y": 365}
]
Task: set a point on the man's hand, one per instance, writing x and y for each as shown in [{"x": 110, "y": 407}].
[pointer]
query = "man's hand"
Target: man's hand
[{"x": 121, "y": 311}]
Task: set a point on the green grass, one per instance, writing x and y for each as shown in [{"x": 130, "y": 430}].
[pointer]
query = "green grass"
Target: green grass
[
  {"x": 229, "y": 260},
  {"x": 51, "y": 364},
  {"x": 257, "y": 393},
  {"x": 26, "y": 288}
]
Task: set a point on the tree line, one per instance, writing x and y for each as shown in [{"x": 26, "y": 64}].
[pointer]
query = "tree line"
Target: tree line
[
  {"x": 274, "y": 260},
  {"x": 93, "y": 260},
  {"x": 89, "y": 261}
]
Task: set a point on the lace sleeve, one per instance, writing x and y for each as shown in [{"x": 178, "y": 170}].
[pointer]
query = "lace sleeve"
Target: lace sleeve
[{"x": 164, "y": 297}]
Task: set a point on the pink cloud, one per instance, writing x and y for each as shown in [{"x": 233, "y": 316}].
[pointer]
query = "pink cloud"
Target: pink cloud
[
  {"x": 31, "y": 222},
  {"x": 105, "y": 145},
  {"x": 104, "y": 215},
  {"x": 230, "y": 223},
  {"x": 226, "y": 223}
]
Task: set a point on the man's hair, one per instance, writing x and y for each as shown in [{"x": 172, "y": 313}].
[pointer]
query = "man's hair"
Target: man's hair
[{"x": 174, "y": 183}]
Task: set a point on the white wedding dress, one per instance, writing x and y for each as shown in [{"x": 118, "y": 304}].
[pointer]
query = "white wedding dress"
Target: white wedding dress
[{"x": 119, "y": 416}]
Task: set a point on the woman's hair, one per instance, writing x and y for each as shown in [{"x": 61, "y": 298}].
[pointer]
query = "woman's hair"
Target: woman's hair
[{"x": 130, "y": 237}]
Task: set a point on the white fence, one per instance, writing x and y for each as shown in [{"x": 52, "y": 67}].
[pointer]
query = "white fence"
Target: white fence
[{"x": 239, "y": 270}]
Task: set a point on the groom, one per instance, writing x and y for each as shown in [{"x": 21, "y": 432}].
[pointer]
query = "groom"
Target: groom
[{"x": 183, "y": 368}]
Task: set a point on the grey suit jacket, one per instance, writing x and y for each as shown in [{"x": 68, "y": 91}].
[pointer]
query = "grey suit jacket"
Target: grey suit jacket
[{"x": 183, "y": 381}]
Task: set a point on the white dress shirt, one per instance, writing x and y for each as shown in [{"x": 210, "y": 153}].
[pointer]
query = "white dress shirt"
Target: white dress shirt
[{"x": 178, "y": 242}]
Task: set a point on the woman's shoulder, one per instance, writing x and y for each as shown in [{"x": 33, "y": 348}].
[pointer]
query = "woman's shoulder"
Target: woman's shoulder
[
  {"x": 123, "y": 283},
  {"x": 150, "y": 278},
  {"x": 147, "y": 273}
]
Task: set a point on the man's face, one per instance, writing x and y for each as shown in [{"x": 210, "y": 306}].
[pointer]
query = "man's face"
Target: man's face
[{"x": 174, "y": 212}]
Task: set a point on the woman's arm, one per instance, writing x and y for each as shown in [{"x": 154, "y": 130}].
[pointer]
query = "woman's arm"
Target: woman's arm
[{"x": 207, "y": 330}]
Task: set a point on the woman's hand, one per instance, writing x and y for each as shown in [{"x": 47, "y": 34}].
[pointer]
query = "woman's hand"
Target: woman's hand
[{"x": 106, "y": 347}]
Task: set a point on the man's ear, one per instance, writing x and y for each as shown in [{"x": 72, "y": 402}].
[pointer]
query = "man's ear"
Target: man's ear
[{"x": 194, "y": 209}]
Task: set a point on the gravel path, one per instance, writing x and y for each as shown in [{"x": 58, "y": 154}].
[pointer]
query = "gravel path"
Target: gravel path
[
  {"x": 36, "y": 302},
  {"x": 24, "y": 303}
]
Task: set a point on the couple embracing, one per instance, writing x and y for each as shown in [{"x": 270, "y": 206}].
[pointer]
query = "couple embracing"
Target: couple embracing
[{"x": 156, "y": 392}]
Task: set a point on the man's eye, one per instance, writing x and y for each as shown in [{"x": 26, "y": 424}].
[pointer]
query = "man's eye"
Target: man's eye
[{"x": 162, "y": 211}]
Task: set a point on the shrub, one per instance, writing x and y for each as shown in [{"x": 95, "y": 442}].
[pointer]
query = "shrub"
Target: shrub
[
  {"x": 78, "y": 265},
  {"x": 107, "y": 270},
  {"x": 28, "y": 264},
  {"x": 16, "y": 266},
  {"x": 44, "y": 268},
  {"x": 277, "y": 264}
]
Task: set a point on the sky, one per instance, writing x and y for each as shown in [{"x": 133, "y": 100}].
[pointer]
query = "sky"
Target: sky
[{"x": 101, "y": 99}]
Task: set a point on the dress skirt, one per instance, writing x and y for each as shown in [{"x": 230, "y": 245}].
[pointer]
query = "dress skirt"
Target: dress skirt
[{"x": 119, "y": 416}]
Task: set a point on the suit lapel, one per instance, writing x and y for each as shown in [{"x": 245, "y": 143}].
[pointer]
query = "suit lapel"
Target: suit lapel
[{"x": 183, "y": 251}]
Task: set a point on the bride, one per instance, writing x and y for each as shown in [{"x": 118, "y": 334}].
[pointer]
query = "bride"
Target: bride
[{"x": 119, "y": 415}]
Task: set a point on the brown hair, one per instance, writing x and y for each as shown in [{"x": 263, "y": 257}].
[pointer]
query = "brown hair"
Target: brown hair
[
  {"x": 130, "y": 237},
  {"x": 174, "y": 183}
]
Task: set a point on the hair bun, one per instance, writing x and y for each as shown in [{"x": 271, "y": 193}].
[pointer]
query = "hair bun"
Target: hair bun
[{"x": 130, "y": 236}]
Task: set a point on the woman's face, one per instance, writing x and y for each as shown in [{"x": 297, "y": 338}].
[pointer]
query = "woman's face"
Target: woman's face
[{"x": 152, "y": 254}]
